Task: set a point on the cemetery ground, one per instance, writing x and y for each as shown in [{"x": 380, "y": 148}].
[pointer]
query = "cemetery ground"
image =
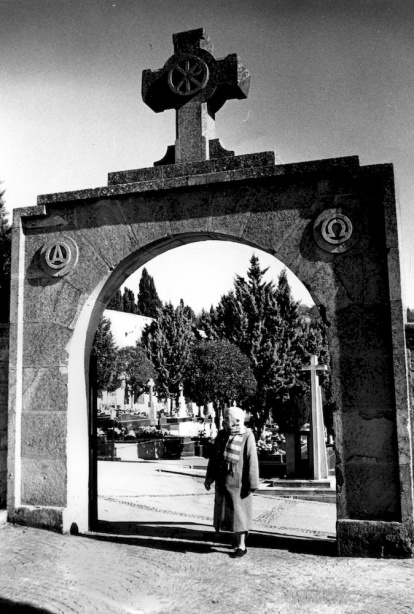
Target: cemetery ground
[{"x": 156, "y": 551}]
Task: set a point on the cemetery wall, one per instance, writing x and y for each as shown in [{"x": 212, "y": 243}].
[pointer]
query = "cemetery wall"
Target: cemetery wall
[{"x": 4, "y": 372}]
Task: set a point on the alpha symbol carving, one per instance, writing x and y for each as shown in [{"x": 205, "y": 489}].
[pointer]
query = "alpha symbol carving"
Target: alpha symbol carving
[
  {"x": 188, "y": 76},
  {"x": 58, "y": 255},
  {"x": 337, "y": 229}
]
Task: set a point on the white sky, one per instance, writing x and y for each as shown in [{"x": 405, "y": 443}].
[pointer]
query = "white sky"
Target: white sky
[{"x": 329, "y": 78}]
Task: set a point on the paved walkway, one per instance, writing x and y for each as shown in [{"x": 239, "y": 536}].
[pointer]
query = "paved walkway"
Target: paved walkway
[{"x": 168, "y": 560}]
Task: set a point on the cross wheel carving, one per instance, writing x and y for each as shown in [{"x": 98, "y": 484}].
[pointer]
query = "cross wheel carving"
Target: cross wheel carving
[{"x": 188, "y": 76}]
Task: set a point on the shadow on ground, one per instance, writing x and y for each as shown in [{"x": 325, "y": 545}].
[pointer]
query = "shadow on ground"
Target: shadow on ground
[
  {"x": 17, "y": 607},
  {"x": 176, "y": 537}
]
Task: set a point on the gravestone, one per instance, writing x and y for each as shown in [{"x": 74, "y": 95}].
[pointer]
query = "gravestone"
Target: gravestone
[{"x": 332, "y": 222}]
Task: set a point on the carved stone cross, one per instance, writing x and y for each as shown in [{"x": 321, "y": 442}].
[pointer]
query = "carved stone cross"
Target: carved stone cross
[
  {"x": 317, "y": 453},
  {"x": 196, "y": 85}
]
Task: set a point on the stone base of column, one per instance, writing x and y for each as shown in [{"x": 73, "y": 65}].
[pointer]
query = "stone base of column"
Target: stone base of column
[
  {"x": 375, "y": 539},
  {"x": 50, "y": 518}
]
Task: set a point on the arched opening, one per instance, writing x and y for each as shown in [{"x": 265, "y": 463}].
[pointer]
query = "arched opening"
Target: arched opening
[{"x": 115, "y": 472}]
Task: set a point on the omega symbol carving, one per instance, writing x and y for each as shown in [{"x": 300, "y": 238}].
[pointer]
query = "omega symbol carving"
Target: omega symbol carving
[
  {"x": 337, "y": 229},
  {"x": 58, "y": 257},
  {"x": 188, "y": 76},
  {"x": 333, "y": 231}
]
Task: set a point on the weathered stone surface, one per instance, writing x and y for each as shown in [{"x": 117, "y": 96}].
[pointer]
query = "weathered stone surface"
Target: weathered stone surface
[
  {"x": 188, "y": 212},
  {"x": 45, "y": 389},
  {"x": 372, "y": 490},
  {"x": 363, "y": 383},
  {"x": 43, "y": 517},
  {"x": 43, "y": 482},
  {"x": 374, "y": 539},
  {"x": 51, "y": 300},
  {"x": 286, "y": 170},
  {"x": 45, "y": 345},
  {"x": 106, "y": 230},
  {"x": 371, "y": 441},
  {"x": 43, "y": 434}
]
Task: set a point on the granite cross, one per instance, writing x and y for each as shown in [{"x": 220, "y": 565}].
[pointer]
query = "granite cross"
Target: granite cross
[
  {"x": 317, "y": 453},
  {"x": 196, "y": 85}
]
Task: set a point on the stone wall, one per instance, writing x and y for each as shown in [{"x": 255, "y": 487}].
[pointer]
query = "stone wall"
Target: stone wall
[
  {"x": 409, "y": 341},
  {"x": 4, "y": 374}
]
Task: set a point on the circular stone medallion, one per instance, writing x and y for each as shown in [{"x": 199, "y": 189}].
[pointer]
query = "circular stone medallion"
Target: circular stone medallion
[
  {"x": 59, "y": 256},
  {"x": 333, "y": 231},
  {"x": 188, "y": 76}
]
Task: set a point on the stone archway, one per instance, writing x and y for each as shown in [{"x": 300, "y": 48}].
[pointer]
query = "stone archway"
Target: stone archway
[
  {"x": 96, "y": 238},
  {"x": 331, "y": 222}
]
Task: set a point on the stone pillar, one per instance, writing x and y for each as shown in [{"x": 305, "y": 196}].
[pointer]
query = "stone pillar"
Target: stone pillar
[{"x": 4, "y": 378}]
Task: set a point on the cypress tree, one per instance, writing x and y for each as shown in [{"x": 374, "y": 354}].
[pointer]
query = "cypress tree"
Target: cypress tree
[
  {"x": 105, "y": 349},
  {"x": 128, "y": 301},
  {"x": 168, "y": 341},
  {"x": 116, "y": 303},
  {"x": 148, "y": 300}
]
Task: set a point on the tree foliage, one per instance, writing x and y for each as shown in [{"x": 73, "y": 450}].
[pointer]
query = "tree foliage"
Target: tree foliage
[
  {"x": 128, "y": 301},
  {"x": 220, "y": 374},
  {"x": 264, "y": 322},
  {"x": 136, "y": 367},
  {"x": 167, "y": 341},
  {"x": 148, "y": 300},
  {"x": 5, "y": 261},
  {"x": 106, "y": 351},
  {"x": 116, "y": 302}
]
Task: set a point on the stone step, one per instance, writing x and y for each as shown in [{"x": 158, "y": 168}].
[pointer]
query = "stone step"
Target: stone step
[{"x": 314, "y": 484}]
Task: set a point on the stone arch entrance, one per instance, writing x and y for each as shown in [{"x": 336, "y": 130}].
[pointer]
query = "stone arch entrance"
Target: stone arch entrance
[
  {"x": 105, "y": 234},
  {"x": 331, "y": 222}
]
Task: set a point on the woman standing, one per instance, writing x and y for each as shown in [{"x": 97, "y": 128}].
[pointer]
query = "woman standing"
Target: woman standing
[{"x": 234, "y": 468}]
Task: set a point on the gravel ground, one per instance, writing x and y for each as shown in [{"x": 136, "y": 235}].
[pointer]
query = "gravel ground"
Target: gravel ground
[{"x": 170, "y": 562}]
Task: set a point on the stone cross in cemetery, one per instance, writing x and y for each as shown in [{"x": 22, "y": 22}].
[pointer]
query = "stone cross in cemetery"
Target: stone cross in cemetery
[
  {"x": 182, "y": 408},
  {"x": 151, "y": 403},
  {"x": 196, "y": 85},
  {"x": 317, "y": 451}
]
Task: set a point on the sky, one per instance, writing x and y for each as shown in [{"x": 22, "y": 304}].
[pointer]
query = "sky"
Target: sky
[{"x": 330, "y": 78}]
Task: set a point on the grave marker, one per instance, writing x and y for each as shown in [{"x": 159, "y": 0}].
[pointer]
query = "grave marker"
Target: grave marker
[{"x": 317, "y": 453}]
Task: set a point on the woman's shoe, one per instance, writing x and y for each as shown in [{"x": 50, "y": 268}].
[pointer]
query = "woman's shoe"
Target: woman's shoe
[{"x": 238, "y": 553}]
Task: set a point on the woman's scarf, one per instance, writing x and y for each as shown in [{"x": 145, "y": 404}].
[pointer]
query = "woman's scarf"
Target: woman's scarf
[{"x": 233, "y": 449}]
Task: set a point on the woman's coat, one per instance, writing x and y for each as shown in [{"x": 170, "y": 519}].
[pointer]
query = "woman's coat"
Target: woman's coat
[{"x": 233, "y": 502}]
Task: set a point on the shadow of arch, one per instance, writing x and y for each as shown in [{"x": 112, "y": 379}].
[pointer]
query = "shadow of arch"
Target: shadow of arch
[{"x": 8, "y": 606}]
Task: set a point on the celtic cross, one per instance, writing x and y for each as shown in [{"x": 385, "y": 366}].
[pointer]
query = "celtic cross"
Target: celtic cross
[{"x": 196, "y": 85}]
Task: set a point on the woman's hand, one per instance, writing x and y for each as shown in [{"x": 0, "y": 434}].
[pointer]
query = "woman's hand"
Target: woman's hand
[{"x": 207, "y": 483}]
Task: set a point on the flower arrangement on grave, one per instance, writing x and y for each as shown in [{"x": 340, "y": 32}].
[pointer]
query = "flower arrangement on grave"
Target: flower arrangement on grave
[
  {"x": 264, "y": 449},
  {"x": 151, "y": 432},
  {"x": 270, "y": 446}
]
